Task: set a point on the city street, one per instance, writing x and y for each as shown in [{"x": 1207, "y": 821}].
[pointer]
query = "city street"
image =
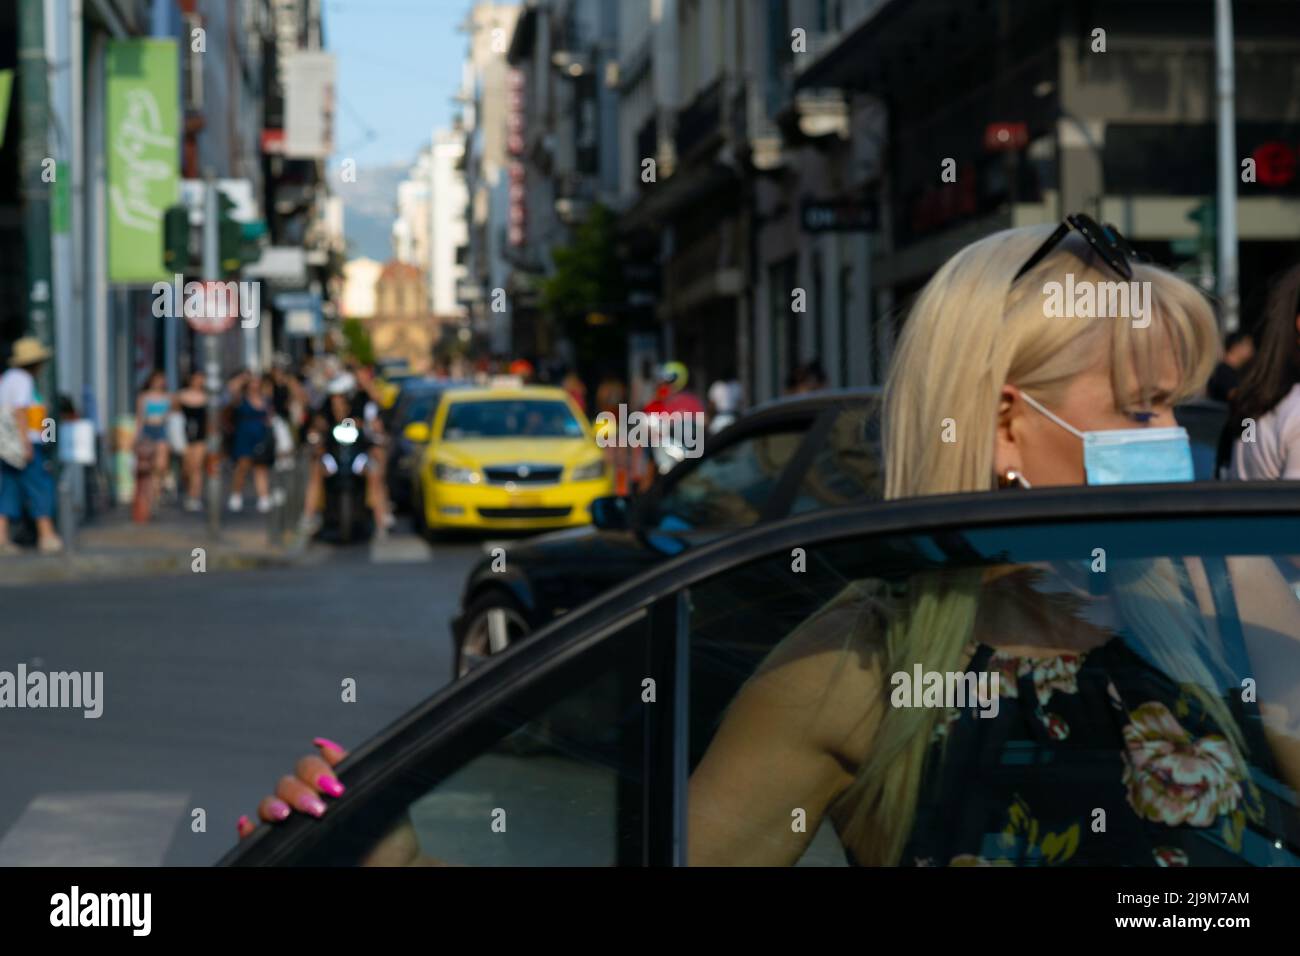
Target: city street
[{"x": 213, "y": 684}]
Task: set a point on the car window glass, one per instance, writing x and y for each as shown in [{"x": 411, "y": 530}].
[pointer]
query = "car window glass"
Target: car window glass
[
  {"x": 846, "y": 467},
  {"x": 552, "y": 776},
  {"x": 1116, "y": 693},
  {"x": 729, "y": 488},
  {"x": 420, "y": 409},
  {"x": 510, "y": 418}
]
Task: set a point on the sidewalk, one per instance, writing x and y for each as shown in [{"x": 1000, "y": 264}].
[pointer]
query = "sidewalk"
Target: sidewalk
[{"x": 114, "y": 546}]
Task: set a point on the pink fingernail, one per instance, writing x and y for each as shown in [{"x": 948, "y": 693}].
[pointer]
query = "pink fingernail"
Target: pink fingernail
[
  {"x": 241, "y": 823},
  {"x": 326, "y": 742},
  {"x": 279, "y": 810},
  {"x": 330, "y": 785},
  {"x": 310, "y": 803}
]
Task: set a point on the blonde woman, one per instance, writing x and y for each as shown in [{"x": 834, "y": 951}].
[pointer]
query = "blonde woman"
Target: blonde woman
[{"x": 814, "y": 729}]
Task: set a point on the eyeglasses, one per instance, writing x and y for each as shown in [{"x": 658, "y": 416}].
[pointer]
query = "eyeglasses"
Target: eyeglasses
[{"x": 1114, "y": 249}]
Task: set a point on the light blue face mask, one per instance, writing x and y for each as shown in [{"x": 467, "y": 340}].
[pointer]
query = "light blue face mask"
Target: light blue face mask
[{"x": 1128, "y": 456}]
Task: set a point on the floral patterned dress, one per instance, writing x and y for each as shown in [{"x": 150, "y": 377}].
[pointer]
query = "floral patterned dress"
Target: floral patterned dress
[{"x": 1098, "y": 759}]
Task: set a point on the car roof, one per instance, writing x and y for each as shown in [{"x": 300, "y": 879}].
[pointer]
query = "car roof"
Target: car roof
[
  {"x": 815, "y": 401},
  {"x": 483, "y": 393},
  {"x": 416, "y": 386}
]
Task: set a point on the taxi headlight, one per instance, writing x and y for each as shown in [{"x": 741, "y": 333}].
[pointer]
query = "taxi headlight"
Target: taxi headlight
[
  {"x": 590, "y": 471},
  {"x": 455, "y": 475}
]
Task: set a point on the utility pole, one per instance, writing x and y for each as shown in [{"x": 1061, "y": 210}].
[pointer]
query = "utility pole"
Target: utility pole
[
  {"x": 212, "y": 352},
  {"x": 1228, "y": 166},
  {"x": 35, "y": 164}
]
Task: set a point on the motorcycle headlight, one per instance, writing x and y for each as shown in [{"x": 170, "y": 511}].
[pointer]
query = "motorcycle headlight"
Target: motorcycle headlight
[
  {"x": 346, "y": 433},
  {"x": 455, "y": 475},
  {"x": 590, "y": 471}
]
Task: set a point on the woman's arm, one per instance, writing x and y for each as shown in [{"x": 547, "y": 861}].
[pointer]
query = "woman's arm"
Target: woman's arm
[{"x": 790, "y": 742}]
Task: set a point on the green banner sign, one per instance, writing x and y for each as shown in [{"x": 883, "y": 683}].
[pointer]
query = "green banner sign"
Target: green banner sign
[
  {"x": 6, "y": 90},
  {"x": 143, "y": 145}
]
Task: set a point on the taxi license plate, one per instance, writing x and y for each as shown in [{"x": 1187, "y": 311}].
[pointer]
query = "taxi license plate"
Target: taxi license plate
[{"x": 525, "y": 500}]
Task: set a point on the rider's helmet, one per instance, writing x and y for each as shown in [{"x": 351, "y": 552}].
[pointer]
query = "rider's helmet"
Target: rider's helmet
[{"x": 673, "y": 375}]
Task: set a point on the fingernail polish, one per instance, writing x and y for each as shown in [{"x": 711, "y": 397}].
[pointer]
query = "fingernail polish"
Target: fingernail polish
[
  {"x": 330, "y": 785},
  {"x": 310, "y": 803},
  {"x": 279, "y": 810},
  {"x": 326, "y": 742},
  {"x": 241, "y": 823}
]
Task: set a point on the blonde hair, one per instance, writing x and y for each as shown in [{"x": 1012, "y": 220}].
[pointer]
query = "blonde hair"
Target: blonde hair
[{"x": 971, "y": 331}]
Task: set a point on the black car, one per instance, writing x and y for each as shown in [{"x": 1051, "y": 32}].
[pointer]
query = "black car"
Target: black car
[
  {"x": 586, "y": 733},
  {"x": 415, "y": 404},
  {"x": 787, "y": 457}
]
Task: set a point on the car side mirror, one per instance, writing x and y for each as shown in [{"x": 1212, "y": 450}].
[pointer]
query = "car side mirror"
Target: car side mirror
[
  {"x": 417, "y": 432},
  {"x": 610, "y": 513}
]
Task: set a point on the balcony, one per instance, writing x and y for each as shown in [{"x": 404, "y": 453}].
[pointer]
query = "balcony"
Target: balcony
[{"x": 700, "y": 124}]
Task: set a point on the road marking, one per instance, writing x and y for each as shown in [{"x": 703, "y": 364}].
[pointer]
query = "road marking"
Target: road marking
[
  {"x": 402, "y": 549},
  {"x": 94, "y": 828}
]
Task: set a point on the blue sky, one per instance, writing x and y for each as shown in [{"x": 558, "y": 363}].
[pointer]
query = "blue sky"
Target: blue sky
[{"x": 399, "y": 64}]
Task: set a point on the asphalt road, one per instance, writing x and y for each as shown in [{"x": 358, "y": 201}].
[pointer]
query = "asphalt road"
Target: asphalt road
[{"x": 213, "y": 685}]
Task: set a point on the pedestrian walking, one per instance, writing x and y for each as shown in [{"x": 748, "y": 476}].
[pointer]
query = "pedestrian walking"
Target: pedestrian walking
[
  {"x": 724, "y": 397},
  {"x": 1266, "y": 405},
  {"x": 25, "y": 478},
  {"x": 153, "y": 454},
  {"x": 1238, "y": 350},
  {"x": 192, "y": 403},
  {"x": 253, "y": 443}
]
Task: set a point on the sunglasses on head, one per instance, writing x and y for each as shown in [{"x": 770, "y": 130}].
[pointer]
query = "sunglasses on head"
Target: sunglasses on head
[{"x": 1105, "y": 240}]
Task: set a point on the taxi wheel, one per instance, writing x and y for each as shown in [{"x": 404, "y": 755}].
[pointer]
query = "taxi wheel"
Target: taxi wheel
[
  {"x": 493, "y": 622},
  {"x": 418, "y": 517}
]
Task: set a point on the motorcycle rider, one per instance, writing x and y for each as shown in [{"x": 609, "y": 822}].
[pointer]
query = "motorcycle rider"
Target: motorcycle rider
[
  {"x": 345, "y": 401},
  {"x": 671, "y": 399}
]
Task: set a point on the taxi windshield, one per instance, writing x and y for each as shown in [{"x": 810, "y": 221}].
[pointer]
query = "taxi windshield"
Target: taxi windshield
[{"x": 510, "y": 418}]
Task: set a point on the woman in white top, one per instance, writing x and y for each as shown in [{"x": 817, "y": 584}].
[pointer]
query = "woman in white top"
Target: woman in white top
[{"x": 1266, "y": 405}]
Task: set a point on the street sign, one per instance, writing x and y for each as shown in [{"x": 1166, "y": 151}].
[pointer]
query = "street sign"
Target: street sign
[
  {"x": 840, "y": 215},
  {"x": 219, "y": 309},
  {"x": 302, "y": 313}
]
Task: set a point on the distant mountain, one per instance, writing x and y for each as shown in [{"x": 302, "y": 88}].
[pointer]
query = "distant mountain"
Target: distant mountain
[{"x": 369, "y": 208}]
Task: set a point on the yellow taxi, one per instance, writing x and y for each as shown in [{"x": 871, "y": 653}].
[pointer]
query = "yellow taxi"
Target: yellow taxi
[{"x": 508, "y": 458}]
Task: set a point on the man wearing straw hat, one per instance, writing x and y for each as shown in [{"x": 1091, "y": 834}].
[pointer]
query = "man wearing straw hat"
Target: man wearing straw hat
[{"x": 31, "y": 484}]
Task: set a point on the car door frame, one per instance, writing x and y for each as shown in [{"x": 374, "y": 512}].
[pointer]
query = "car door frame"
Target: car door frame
[{"x": 432, "y": 728}]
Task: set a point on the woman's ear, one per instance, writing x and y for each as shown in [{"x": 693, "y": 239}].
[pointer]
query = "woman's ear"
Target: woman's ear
[{"x": 1006, "y": 447}]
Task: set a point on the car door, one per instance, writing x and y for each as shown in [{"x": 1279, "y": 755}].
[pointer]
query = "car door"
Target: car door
[{"x": 602, "y": 739}]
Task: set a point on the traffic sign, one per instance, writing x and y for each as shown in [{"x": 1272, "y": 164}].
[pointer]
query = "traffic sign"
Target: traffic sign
[{"x": 218, "y": 310}]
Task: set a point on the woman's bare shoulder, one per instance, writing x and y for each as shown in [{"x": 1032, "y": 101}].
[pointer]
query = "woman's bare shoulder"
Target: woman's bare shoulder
[{"x": 828, "y": 671}]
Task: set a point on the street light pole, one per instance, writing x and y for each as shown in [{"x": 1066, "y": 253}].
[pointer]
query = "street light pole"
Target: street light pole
[
  {"x": 1223, "y": 44},
  {"x": 212, "y": 355}
]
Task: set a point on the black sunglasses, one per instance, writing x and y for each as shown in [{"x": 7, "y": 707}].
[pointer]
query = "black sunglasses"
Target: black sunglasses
[{"x": 1114, "y": 249}]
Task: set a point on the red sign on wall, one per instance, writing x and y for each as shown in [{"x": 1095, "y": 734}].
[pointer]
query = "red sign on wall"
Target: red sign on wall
[{"x": 1275, "y": 163}]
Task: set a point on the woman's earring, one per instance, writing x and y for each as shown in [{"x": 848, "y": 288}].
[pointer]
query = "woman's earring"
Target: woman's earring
[{"x": 1012, "y": 479}]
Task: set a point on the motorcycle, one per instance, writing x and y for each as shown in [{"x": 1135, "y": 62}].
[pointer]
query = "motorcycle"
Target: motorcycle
[{"x": 346, "y": 517}]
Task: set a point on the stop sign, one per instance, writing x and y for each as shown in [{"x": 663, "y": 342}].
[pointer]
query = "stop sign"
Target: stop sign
[{"x": 217, "y": 309}]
